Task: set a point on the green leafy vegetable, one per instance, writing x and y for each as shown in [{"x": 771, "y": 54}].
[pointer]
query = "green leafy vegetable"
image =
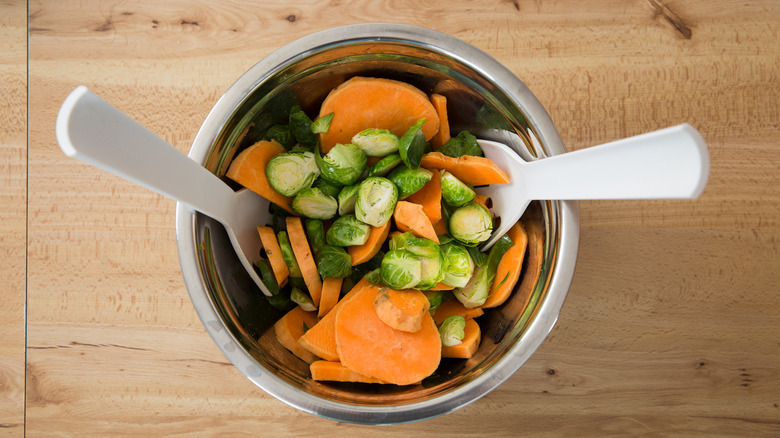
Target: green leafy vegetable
[
  {"x": 327, "y": 187},
  {"x": 322, "y": 124},
  {"x": 315, "y": 231},
  {"x": 454, "y": 191},
  {"x": 282, "y": 135},
  {"x": 301, "y": 299},
  {"x": 458, "y": 264},
  {"x": 288, "y": 255},
  {"x": 300, "y": 126},
  {"x": 347, "y": 198},
  {"x": 412, "y": 145},
  {"x": 333, "y": 261},
  {"x": 409, "y": 181},
  {"x": 385, "y": 165},
  {"x": 471, "y": 224},
  {"x": 462, "y": 144},
  {"x": 312, "y": 203},
  {"x": 343, "y": 165},
  {"x": 376, "y": 142},
  {"x": 347, "y": 231},
  {"x": 401, "y": 269},
  {"x": 452, "y": 330}
]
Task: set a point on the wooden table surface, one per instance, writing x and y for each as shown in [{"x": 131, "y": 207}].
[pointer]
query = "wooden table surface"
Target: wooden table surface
[{"x": 672, "y": 323}]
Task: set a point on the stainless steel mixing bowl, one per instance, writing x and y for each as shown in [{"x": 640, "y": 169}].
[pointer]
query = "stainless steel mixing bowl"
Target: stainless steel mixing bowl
[{"x": 483, "y": 97}]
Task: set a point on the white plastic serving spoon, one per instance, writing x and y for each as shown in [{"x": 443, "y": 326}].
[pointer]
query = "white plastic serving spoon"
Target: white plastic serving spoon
[
  {"x": 671, "y": 163},
  {"x": 90, "y": 129}
]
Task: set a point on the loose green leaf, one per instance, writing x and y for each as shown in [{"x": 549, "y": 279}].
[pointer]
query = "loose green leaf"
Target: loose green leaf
[
  {"x": 342, "y": 165},
  {"x": 300, "y": 126},
  {"x": 314, "y": 204},
  {"x": 282, "y": 135},
  {"x": 322, "y": 124},
  {"x": 333, "y": 261},
  {"x": 412, "y": 145},
  {"x": 462, "y": 144},
  {"x": 409, "y": 181},
  {"x": 385, "y": 165}
]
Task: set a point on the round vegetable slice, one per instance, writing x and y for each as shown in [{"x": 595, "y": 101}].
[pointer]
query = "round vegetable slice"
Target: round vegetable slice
[
  {"x": 376, "y": 201},
  {"x": 376, "y": 142},
  {"x": 346, "y": 231},
  {"x": 454, "y": 191},
  {"x": 315, "y": 204},
  {"x": 291, "y": 172},
  {"x": 471, "y": 224}
]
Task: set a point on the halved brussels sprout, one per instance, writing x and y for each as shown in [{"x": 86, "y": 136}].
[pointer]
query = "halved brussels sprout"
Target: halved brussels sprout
[
  {"x": 288, "y": 255},
  {"x": 454, "y": 191},
  {"x": 314, "y": 204},
  {"x": 376, "y": 142},
  {"x": 431, "y": 271},
  {"x": 347, "y": 231},
  {"x": 290, "y": 172},
  {"x": 327, "y": 187},
  {"x": 452, "y": 330},
  {"x": 301, "y": 299},
  {"x": 385, "y": 165},
  {"x": 343, "y": 165},
  {"x": 333, "y": 261},
  {"x": 458, "y": 265},
  {"x": 471, "y": 224},
  {"x": 436, "y": 297},
  {"x": 401, "y": 269},
  {"x": 418, "y": 245},
  {"x": 376, "y": 201},
  {"x": 412, "y": 145},
  {"x": 315, "y": 230},
  {"x": 476, "y": 291},
  {"x": 347, "y": 199},
  {"x": 409, "y": 181}
]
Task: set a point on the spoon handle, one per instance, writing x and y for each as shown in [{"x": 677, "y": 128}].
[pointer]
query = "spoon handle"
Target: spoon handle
[
  {"x": 90, "y": 129},
  {"x": 668, "y": 163}
]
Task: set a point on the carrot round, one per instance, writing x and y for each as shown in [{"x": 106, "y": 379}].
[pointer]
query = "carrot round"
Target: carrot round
[
  {"x": 336, "y": 372},
  {"x": 411, "y": 217},
  {"x": 455, "y": 307},
  {"x": 361, "y": 103},
  {"x": 363, "y": 253},
  {"x": 274, "y": 253},
  {"x": 248, "y": 169},
  {"x": 470, "y": 169},
  {"x": 468, "y": 346},
  {"x": 302, "y": 251},
  {"x": 331, "y": 289},
  {"x": 402, "y": 309},
  {"x": 290, "y": 328},
  {"x": 443, "y": 135},
  {"x": 370, "y": 347},
  {"x": 429, "y": 197},
  {"x": 321, "y": 339},
  {"x": 508, "y": 271}
]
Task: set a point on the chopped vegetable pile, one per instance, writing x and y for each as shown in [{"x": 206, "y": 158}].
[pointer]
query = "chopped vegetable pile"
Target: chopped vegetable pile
[{"x": 373, "y": 251}]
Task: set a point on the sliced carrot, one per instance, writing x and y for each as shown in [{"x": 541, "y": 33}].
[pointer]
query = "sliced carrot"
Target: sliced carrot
[
  {"x": 248, "y": 169},
  {"x": 411, "y": 217},
  {"x": 370, "y": 347},
  {"x": 402, "y": 309},
  {"x": 363, "y": 253},
  {"x": 470, "y": 169},
  {"x": 274, "y": 253},
  {"x": 321, "y": 339},
  {"x": 336, "y": 372},
  {"x": 442, "y": 286},
  {"x": 331, "y": 289},
  {"x": 361, "y": 103},
  {"x": 429, "y": 197},
  {"x": 455, "y": 307},
  {"x": 443, "y": 135},
  {"x": 291, "y": 327},
  {"x": 508, "y": 271},
  {"x": 302, "y": 251},
  {"x": 468, "y": 346}
]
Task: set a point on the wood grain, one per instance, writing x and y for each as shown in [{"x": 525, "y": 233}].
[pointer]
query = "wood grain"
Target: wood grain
[
  {"x": 670, "y": 327},
  {"x": 13, "y": 207}
]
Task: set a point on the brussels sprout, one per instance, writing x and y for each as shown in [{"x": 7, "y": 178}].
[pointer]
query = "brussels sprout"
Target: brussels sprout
[
  {"x": 412, "y": 145},
  {"x": 462, "y": 144},
  {"x": 347, "y": 199},
  {"x": 385, "y": 165},
  {"x": 315, "y": 230},
  {"x": 312, "y": 203},
  {"x": 347, "y": 231},
  {"x": 418, "y": 245},
  {"x": 322, "y": 124},
  {"x": 476, "y": 291},
  {"x": 431, "y": 272},
  {"x": 300, "y": 126},
  {"x": 282, "y": 135},
  {"x": 471, "y": 224},
  {"x": 458, "y": 265},
  {"x": 401, "y": 269},
  {"x": 454, "y": 191},
  {"x": 288, "y": 255},
  {"x": 409, "y": 181},
  {"x": 290, "y": 172},
  {"x": 452, "y": 330},
  {"x": 301, "y": 299},
  {"x": 375, "y": 277},
  {"x": 376, "y": 142},
  {"x": 279, "y": 299},
  {"x": 343, "y": 165},
  {"x": 327, "y": 187},
  {"x": 376, "y": 201},
  {"x": 333, "y": 261}
]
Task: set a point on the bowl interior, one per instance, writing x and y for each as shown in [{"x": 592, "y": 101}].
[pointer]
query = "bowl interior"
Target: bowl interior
[{"x": 476, "y": 101}]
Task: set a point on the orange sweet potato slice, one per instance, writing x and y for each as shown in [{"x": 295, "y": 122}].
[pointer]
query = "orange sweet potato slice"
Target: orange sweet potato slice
[
  {"x": 442, "y": 286},
  {"x": 468, "y": 346},
  {"x": 370, "y": 347},
  {"x": 336, "y": 372},
  {"x": 248, "y": 169},
  {"x": 361, "y": 103},
  {"x": 429, "y": 197},
  {"x": 363, "y": 253},
  {"x": 470, "y": 169},
  {"x": 443, "y": 135},
  {"x": 508, "y": 271},
  {"x": 402, "y": 309},
  {"x": 321, "y": 339},
  {"x": 454, "y": 307},
  {"x": 290, "y": 328},
  {"x": 482, "y": 200},
  {"x": 274, "y": 253},
  {"x": 331, "y": 289},
  {"x": 411, "y": 217},
  {"x": 302, "y": 251}
]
